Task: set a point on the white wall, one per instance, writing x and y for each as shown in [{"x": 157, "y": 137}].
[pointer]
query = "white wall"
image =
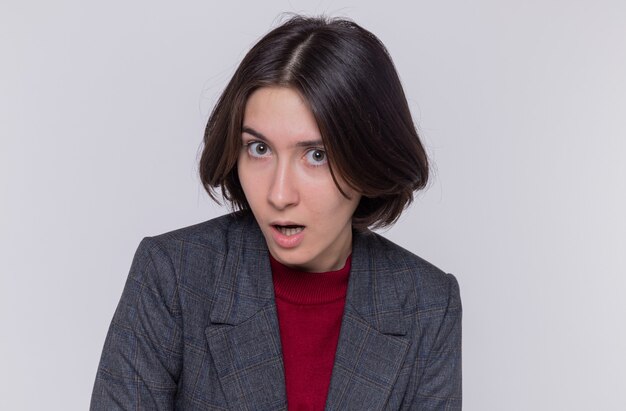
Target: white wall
[{"x": 522, "y": 106}]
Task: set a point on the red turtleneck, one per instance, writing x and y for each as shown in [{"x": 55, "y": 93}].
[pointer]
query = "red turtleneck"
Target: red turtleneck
[{"x": 310, "y": 308}]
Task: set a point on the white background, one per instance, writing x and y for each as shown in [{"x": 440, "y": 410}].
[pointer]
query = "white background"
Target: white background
[{"x": 521, "y": 104}]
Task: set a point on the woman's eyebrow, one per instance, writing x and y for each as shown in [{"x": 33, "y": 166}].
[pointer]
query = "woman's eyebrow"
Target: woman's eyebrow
[
  {"x": 310, "y": 143},
  {"x": 249, "y": 130},
  {"x": 260, "y": 136}
]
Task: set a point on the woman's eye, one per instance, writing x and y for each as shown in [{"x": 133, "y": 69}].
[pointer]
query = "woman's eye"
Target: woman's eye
[
  {"x": 258, "y": 149},
  {"x": 316, "y": 157}
]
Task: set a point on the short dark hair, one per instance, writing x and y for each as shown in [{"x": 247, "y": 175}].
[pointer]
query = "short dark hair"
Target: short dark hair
[{"x": 346, "y": 76}]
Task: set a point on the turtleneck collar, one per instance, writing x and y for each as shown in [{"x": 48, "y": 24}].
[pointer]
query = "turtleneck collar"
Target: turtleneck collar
[{"x": 301, "y": 287}]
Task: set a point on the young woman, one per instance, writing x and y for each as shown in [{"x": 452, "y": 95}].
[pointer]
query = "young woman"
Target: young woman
[{"x": 291, "y": 302}]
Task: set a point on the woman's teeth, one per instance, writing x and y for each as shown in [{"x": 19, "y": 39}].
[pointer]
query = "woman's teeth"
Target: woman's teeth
[{"x": 289, "y": 230}]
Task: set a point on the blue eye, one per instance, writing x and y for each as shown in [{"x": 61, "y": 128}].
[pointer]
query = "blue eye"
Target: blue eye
[
  {"x": 316, "y": 157},
  {"x": 258, "y": 149}
]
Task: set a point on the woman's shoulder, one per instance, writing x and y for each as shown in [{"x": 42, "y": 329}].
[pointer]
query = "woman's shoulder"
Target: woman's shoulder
[
  {"x": 190, "y": 257},
  {"x": 212, "y": 234},
  {"x": 197, "y": 249},
  {"x": 423, "y": 282}
]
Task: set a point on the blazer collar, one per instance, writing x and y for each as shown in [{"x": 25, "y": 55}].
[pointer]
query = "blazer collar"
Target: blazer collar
[
  {"x": 372, "y": 291},
  {"x": 372, "y": 343},
  {"x": 245, "y": 284},
  {"x": 244, "y": 338}
]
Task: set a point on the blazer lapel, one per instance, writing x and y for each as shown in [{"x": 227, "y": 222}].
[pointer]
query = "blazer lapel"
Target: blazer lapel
[
  {"x": 243, "y": 336},
  {"x": 372, "y": 343}
]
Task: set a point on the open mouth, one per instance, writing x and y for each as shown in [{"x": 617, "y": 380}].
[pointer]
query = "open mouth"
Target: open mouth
[{"x": 289, "y": 230}]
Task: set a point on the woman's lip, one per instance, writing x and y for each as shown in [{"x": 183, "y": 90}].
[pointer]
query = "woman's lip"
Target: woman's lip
[
  {"x": 285, "y": 223},
  {"x": 286, "y": 241}
]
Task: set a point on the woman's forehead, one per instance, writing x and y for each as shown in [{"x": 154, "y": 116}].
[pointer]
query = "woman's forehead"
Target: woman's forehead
[{"x": 280, "y": 115}]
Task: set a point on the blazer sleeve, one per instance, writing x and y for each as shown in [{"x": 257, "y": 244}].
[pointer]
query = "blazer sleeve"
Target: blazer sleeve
[
  {"x": 142, "y": 356},
  {"x": 440, "y": 386}
]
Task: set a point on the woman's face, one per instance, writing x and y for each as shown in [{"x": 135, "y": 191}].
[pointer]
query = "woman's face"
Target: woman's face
[{"x": 283, "y": 170}]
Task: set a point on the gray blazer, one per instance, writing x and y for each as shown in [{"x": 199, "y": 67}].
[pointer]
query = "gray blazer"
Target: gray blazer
[{"x": 196, "y": 328}]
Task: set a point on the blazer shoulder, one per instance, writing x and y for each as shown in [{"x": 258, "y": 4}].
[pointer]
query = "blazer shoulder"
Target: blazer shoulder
[
  {"x": 198, "y": 250},
  {"x": 432, "y": 287},
  {"x": 191, "y": 258},
  {"x": 212, "y": 234}
]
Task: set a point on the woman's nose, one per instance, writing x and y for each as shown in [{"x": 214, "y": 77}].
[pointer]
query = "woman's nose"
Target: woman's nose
[{"x": 283, "y": 191}]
